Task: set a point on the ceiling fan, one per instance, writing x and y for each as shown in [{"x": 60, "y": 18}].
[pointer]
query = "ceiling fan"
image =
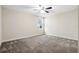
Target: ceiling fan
[{"x": 45, "y": 9}]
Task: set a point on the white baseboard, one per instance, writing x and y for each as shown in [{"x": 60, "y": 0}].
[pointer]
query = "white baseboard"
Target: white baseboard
[
  {"x": 31, "y": 36},
  {"x": 62, "y": 37},
  {"x": 19, "y": 38}
]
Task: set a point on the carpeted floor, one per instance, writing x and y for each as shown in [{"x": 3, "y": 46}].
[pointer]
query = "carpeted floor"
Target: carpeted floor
[{"x": 40, "y": 44}]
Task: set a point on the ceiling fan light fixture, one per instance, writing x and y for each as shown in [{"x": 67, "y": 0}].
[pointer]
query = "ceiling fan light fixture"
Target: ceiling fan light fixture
[{"x": 42, "y": 11}]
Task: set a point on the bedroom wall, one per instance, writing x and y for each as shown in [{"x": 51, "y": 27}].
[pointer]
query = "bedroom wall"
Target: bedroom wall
[
  {"x": 63, "y": 24},
  {"x": 18, "y": 24},
  {"x": 0, "y": 26},
  {"x": 78, "y": 29}
]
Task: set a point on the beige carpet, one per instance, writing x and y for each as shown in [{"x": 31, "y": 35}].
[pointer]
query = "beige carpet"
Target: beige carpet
[{"x": 40, "y": 44}]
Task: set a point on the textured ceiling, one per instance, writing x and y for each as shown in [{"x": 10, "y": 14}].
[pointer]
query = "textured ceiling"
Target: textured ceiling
[{"x": 34, "y": 9}]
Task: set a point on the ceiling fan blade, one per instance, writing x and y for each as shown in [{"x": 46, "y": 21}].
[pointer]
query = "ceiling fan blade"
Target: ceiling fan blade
[
  {"x": 49, "y": 8},
  {"x": 47, "y": 11}
]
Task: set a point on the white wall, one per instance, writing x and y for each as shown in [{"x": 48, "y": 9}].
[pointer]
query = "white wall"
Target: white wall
[
  {"x": 78, "y": 29},
  {"x": 18, "y": 25},
  {"x": 0, "y": 27},
  {"x": 63, "y": 25}
]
